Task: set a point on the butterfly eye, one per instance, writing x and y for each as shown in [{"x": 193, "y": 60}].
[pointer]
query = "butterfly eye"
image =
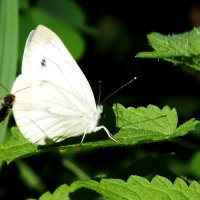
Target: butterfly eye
[{"x": 43, "y": 63}]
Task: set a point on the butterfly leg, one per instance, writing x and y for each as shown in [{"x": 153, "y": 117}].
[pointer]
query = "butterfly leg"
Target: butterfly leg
[
  {"x": 83, "y": 137},
  {"x": 108, "y": 132}
]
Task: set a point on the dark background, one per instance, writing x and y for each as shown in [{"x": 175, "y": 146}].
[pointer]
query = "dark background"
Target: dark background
[{"x": 159, "y": 82}]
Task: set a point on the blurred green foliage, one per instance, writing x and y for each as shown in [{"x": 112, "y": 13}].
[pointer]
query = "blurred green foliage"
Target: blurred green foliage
[{"x": 8, "y": 51}]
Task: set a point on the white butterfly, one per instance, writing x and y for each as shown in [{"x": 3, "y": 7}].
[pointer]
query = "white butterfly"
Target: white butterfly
[{"x": 53, "y": 99}]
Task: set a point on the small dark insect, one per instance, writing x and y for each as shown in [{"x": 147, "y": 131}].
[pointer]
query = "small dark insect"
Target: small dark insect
[
  {"x": 6, "y": 106},
  {"x": 43, "y": 62}
]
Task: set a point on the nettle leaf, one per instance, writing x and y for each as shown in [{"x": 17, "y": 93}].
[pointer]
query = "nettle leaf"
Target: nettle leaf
[
  {"x": 61, "y": 192},
  {"x": 136, "y": 125},
  {"x": 149, "y": 124},
  {"x": 181, "y": 49},
  {"x": 135, "y": 188},
  {"x": 16, "y": 147}
]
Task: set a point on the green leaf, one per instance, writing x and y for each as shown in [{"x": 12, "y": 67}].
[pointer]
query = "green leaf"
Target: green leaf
[
  {"x": 8, "y": 49},
  {"x": 75, "y": 169},
  {"x": 136, "y": 125},
  {"x": 61, "y": 192},
  {"x": 67, "y": 32},
  {"x": 29, "y": 177},
  {"x": 149, "y": 124},
  {"x": 16, "y": 147},
  {"x": 194, "y": 165},
  {"x": 135, "y": 188},
  {"x": 67, "y": 11},
  {"x": 181, "y": 49}
]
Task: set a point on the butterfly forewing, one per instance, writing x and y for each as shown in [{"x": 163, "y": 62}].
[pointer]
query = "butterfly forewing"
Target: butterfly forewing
[{"x": 44, "y": 51}]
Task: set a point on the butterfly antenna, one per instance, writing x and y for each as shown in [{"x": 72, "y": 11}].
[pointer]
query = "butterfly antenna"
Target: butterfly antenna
[
  {"x": 133, "y": 79},
  {"x": 99, "y": 97}
]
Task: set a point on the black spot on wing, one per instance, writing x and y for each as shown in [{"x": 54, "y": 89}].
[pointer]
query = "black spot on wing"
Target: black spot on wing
[{"x": 43, "y": 62}]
